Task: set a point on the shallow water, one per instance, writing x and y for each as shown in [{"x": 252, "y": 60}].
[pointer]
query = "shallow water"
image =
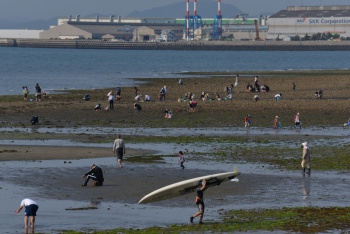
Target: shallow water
[
  {"x": 260, "y": 186},
  {"x": 313, "y": 131},
  {"x": 91, "y": 69}
]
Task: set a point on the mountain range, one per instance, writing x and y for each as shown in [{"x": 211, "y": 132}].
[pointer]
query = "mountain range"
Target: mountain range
[{"x": 206, "y": 9}]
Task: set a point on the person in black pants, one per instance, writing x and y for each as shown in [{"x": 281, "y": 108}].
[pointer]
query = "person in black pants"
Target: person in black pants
[
  {"x": 199, "y": 201},
  {"x": 95, "y": 174}
]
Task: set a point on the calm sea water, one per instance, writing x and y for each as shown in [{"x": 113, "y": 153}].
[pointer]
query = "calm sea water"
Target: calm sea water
[{"x": 65, "y": 69}]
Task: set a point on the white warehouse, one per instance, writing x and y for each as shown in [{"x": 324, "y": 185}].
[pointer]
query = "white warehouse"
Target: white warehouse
[{"x": 302, "y": 20}]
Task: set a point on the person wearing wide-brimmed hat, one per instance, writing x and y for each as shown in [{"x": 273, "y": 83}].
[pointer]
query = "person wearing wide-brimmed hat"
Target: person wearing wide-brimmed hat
[{"x": 306, "y": 159}]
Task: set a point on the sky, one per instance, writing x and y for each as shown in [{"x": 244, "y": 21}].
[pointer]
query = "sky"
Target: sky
[{"x": 22, "y": 10}]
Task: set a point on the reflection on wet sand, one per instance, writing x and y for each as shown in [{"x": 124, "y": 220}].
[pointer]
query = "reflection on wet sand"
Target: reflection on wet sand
[
  {"x": 305, "y": 181},
  {"x": 29, "y": 230},
  {"x": 260, "y": 186}
]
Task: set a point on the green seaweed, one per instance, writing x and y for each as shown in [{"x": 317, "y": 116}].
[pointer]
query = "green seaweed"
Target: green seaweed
[{"x": 298, "y": 219}]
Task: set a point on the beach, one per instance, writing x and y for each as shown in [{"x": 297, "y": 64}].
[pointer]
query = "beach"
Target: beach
[
  {"x": 49, "y": 159},
  {"x": 67, "y": 110}
]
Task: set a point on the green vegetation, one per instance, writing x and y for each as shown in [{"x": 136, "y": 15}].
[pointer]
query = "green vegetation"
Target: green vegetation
[
  {"x": 275, "y": 151},
  {"x": 146, "y": 159},
  {"x": 299, "y": 219}
]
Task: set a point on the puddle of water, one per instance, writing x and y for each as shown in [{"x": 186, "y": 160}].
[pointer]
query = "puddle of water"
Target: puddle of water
[
  {"x": 53, "y": 216},
  {"x": 259, "y": 187}
]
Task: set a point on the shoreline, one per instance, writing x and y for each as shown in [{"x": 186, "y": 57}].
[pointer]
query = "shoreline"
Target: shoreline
[
  {"x": 66, "y": 110},
  {"x": 193, "y": 45}
]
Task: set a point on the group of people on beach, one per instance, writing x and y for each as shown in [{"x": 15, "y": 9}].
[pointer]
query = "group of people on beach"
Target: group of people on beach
[
  {"x": 276, "y": 122},
  {"x": 38, "y": 93},
  {"x": 95, "y": 173}
]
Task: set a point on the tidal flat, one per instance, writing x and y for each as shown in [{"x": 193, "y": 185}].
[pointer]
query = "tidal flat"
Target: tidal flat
[{"x": 46, "y": 161}]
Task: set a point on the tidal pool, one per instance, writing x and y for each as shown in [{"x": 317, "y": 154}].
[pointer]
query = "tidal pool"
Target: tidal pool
[{"x": 55, "y": 184}]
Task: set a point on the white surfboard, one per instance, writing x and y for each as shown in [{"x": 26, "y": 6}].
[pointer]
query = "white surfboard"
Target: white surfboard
[{"x": 188, "y": 186}]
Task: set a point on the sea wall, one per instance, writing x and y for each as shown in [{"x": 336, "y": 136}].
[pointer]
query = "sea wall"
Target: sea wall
[{"x": 203, "y": 45}]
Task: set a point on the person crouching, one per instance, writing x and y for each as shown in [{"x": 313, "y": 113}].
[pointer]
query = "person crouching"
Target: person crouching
[{"x": 95, "y": 174}]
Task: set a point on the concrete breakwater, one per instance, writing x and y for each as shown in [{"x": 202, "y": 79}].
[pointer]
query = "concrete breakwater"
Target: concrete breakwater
[{"x": 194, "y": 45}]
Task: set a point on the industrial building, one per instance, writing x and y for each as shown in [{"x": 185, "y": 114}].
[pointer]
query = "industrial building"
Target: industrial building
[
  {"x": 190, "y": 28},
  {"x": 117, "y": 31},
  {"x": 152, "y": 29},
  {"x": 309, "y": 20},
  {"x": 20, "y": 33}
]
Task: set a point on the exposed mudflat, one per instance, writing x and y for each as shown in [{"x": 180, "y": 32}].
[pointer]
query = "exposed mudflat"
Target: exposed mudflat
[
  {"x": 46, "y": 161},
  {"x": 55, "y": 184}
]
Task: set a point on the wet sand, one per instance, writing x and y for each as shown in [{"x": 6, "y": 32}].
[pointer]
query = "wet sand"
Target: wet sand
[
  {"x": 56, "y": 186},
  {"x": 70, "y": 110},
  {"x": 34, "y": 152},
  {"x": 52, "y": 175}
]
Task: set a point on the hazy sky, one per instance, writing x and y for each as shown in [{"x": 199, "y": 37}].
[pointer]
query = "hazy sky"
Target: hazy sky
[{"x": 19, "y": 10}]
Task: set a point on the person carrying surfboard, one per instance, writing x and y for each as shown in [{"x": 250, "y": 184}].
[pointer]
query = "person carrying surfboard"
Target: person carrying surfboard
[{"x": 199, "y": 201}]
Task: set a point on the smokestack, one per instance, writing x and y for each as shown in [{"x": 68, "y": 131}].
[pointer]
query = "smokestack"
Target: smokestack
[
  {"x": 195, "y": 7},
  {"x": 219, "y": 7},
  {"x": 187, "y": 20}
]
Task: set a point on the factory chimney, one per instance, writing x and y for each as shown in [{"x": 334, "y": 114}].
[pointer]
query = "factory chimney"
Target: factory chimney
[
  {"x": 219, "y": 7},
  {"x": 187, "y": 20},
  {"x": 195, "y": 7}
]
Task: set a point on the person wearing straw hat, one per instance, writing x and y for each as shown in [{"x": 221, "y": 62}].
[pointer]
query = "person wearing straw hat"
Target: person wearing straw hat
[{"x": 306, "y": 159}]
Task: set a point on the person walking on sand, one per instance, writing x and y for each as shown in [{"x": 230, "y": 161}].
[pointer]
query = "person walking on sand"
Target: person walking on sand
[
  {"x": 247, "y": 121},
  {"x": 37, "y": 92},
  {"x": 296, "y": 120},
  {"x": 162, "y": 93},
  {"x": 111, "y": 99},
  {"x": 306, "y": 159},
  {"x": 25, "y": 93},
  {"x": 119, "y": 149},
  {"x": 118, "y": 91},
  {"x": 276, "y": 122},
  {"x": 95, "y": 174},
  {"x": 136, "y": 91},
  {"x": 236, "y": 82},
  {"x": 181, "y": 159},
  {"x": 199, "y": 202},
  {"x": 294, "y": 87},
  {"x": 31, "y": 207}
]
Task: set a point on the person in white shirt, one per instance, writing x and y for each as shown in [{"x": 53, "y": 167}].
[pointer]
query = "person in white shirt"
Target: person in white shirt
[
  {"x": 31, "y": 207},
  {"x": 147, "y": 98},
  {"x": 111, "y": 99},
  {"x": 119, "y": 149}
]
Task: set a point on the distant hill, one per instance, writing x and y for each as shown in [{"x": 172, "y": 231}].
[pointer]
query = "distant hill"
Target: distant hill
[
  {"x": 206, "y": 9},
  {"x": 36, "y": 24}
]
